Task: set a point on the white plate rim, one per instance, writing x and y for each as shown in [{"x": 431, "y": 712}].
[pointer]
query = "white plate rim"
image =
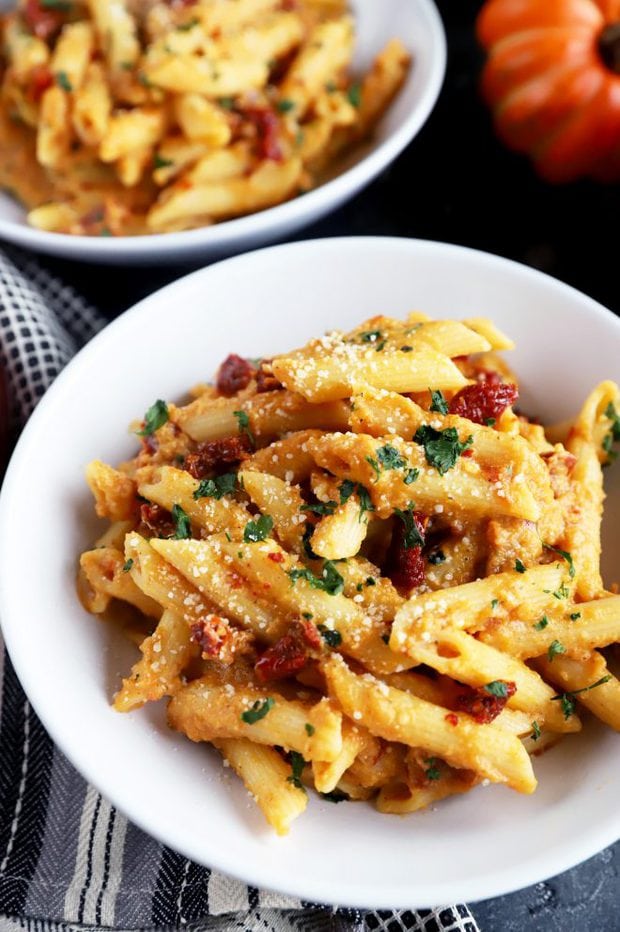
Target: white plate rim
[
  {"x": 294, "y": 213},
  {"x": 541, "y": 866}
]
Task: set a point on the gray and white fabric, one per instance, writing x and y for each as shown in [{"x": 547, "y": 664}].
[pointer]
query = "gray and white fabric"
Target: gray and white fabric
[{"x": 68, "y": 859}]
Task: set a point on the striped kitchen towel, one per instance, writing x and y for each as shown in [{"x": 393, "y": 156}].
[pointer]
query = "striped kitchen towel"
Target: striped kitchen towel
[{"x": 68, "y": 859}]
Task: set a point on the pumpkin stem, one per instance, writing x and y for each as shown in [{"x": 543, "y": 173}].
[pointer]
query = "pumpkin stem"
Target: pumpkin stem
[{"x": 609, "y": 47}]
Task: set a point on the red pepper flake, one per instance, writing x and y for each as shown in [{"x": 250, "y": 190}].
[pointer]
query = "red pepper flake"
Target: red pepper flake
[
  {"x": 43, "y": 22},
  {"x": 276, "y": 556},
  {"x": 452, "y": 719},
  {"x": 482, "y": 705},
  {"x": 267, "y": 128},
  {"x": 290, "y": 653},
  {"x": 486, "y": 400},
  {"x": 40, "y": 79},
  {"x": 406, "y": 566},
  {"x": 212, "y": 634},
  {"x": 215, "y": 454},
  {"x": 234, "y": 375}
]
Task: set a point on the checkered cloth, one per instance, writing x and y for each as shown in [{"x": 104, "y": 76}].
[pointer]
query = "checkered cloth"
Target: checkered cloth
[{"x": 68, "y": 860}]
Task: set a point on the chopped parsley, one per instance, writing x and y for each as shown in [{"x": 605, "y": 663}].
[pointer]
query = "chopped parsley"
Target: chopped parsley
[
  {"x": 489, "y": 421},
  {"x": 544, "y": 621},
  {"x": 257, "y": 711},
  {"x": 307, "y": 615},
  {"x": 182, "y": 524},
  {"x": 297, "y": 766},
  {"x": 63, "y": 6},
  {"x": 346, "y": 491},
  {"x": 216, "y": 488},
  {"x": 370, "y": 336},
  {"x": 155, "y": 417},
  {"x": 127, "y": 565},
  {"x": 565, "y": 556},
  {"x": 433, "y": 772},
  {"x": 438, "y": 402},
  {"x": 412, "y": 536},
  {"x": 370, "y": 581},
  {"x": 406, "y": 349},
  {"x": 226, "y": 103},
  {"x": 494, "y": 603},
  {"x": 377, "y": 469},
  {"x": 244, "y": 425},
  {"x": 562, "y": 593},
  {"x": 160, "y": 162},
  {"x": 437, "y": 556},
  {"x": 520, "y": 567},
  {"x": 354, "y": 95},
  {"x": 411, "y": 475},
  {"x": 442, "y": 448},
  {"x": 567, "y": 700},
  {"x": 554, "y": 649},
  {"x": 329, "y": 581},
  {"x": 389, "y": 457},
  {"x": 257, "y": 530},
  {"x": 574, "y": 616},
  {"x": 535, "y": 731},
  {"x": 285, "y": 106},
  {"x": 332, "y": 638},
  {"x": 185, "y": 27},
  {"x": 614, "y": 434},
  {"x": 310, "y": 729},
  {"x": 497, "y": 688},
  {"x": 322, "y": 508},
  {"x": 62, "y": 80}
]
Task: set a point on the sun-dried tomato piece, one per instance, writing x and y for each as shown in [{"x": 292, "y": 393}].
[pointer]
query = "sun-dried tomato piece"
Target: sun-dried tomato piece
[
  {"x": 266, "y": 381},
  {"x": 486, "y": 400},
  {"x": 234, "y": 375},
  {"x": 156, "y": 521},
  {"x": 405, "y": 566},
  {"x": 39, "y": 79},
  {"x": 267, "y": 128},
  {"x": 275, "y": 556},
  {"x": 452, "y": 719},
  {"x": 215, "y": 454},
  {"x": 482, "y": 705},
  {"x": 43, "y": 22},
  {"x": 212, "y": 634},
  {"x": 290, "y": 653}
]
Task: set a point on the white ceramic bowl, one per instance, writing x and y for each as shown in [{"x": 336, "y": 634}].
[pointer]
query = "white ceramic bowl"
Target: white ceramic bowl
[
  {"x": 485, "y": 843},
  {"x": 417, "y": 23}
]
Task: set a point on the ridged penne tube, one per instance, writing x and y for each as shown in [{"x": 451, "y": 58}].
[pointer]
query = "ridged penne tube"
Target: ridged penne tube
[
  {"x": 340, "y": 535},
  {"x": 464, "y": 490},
  {"x": 509, "y": 540},
  {"x": 106, "y": 572},
  {"x": 114, "y": 535},
  {"x": 228, "y": 17},
  {"x": 171, "y": 486},
  {"x": 24, "y": 50},
  {"x": 336, "y": 368},
  {"x": 327, "y": 774},
  {"x": 268, "y": 39},
  {"x": 471, "y": 606},
  {"x": 326, "y": 51},
  {"x": 204, "y": 711},
  {"x": 383, "y": 81},
  {"x": 132, "y": 130},
  {"x": 175, "y": 154},
  {"x": 201, "y": 119},
  {"x": 577, "y": 676},
  {"x": 578, "y": 627},
  {"x": 54, "y": 130},
  {"x": 162, "y": 583},
  {"x": 269, "y": 413},
  {"x": 465, "y": 659},
  {"x": 131, "y": 167},
  {"x": 114, "y": 492},
  {"x": 222, "y": 164},
  {"x": 92, "y": 106},
  {"x": 485, "y": 328},
  {"x": 217, "y": 575},
  {"x": 271, "y": 183},
  {"x": 400, "y": 798},
  {"x": 288, "y": 458},
  {"x": 450, "y": 337},
  {"x": 398, "y": 716},
  {"x": 73, "y": 52},
  {"x": 117, "y": 33},
  {"x": 164, "y": 656},
  {"x": 266, "y": 778},
  {"x": 281, "y": 501},
  {"x": 187, "y": 74},
  {"x": 463, "y": 558}
]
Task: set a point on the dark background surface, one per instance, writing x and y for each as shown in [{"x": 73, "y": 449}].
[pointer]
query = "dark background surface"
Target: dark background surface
[{"x": 456, "y": 183}]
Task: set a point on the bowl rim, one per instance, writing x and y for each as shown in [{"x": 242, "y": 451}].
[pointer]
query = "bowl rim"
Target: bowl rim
[
  {"x": 544, "y": 863},
  {"x": 309, "y": 205}
]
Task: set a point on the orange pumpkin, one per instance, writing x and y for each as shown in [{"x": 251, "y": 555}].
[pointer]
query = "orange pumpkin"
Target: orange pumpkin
[{"x": 552, "y": 78}]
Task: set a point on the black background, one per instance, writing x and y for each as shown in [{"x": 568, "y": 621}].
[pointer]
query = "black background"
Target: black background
[{"x": 457, "y": 183}]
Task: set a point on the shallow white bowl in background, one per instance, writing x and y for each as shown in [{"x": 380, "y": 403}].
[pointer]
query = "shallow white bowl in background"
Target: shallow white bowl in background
[
  {"x": 480, "y": 845},
  {"x": 417, "y": 23}
]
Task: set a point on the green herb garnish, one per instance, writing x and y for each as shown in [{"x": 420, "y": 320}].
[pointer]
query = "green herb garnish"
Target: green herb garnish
[
  {"x": 412, "y": 536},
  {"x": 565, "y": 556},
  {"x": 127, "y": 565},
  {"x": 442, "y": 448},
  {"x": 544, "y": 621},
  {"x": 497, "y": 688},
  {"x": 438, "y": 402},
  {"x": 244, "y": 425},
  {"x": 62, "y": 80},
  {"x": 284, "y": 105},
  {"x": 322, "y": 508},
  {"x": 520, "y": 567},
  {"x": 257, "y": 711},
  {"x": 389, "y": 457},
  {"x": 567, "y": 700},
  {"x": 437, "y": 556},
  {"x": 354, "y": 95},
  {"x": 554, "y": 649},
  {"x": 155, "y": 417},
  {"x": 535, "y": 731},
  {"x": 216, "y": 488},
  {"x": 329, "y": 581},
  {"x": 182, "y": 524},
  {"x": 331, "y": 637},
  {"x": 258, "y": 530}
]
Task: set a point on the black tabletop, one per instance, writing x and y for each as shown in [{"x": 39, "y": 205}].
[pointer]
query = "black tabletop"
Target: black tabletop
[{"x": 457, "y": 183}]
